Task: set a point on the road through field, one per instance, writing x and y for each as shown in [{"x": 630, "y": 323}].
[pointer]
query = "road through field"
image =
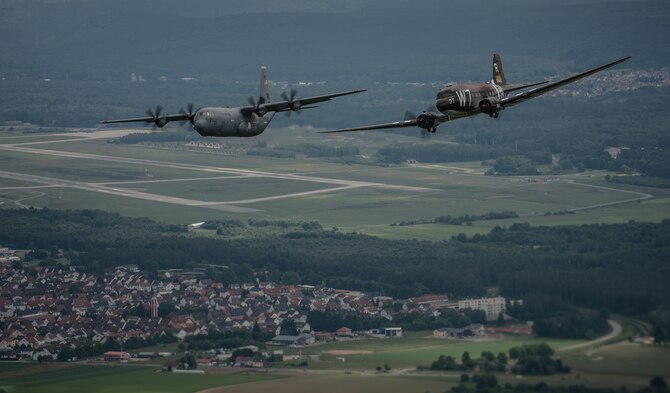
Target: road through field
[{"x": 616, "y": 330}]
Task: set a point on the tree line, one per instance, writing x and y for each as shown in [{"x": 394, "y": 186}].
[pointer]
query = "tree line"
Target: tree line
[
  {"x": 460, "y": 220},
  {"x": 529, "y": 359}
]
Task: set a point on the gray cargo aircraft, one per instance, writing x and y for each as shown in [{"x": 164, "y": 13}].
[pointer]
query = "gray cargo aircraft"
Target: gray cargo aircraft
[
  {"x": 456, "y": 101},
  {"x": 244, "y": 121}
]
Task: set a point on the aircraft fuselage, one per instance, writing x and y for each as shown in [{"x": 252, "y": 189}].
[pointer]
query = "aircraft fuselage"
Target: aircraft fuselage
[
  {"x": 230, "y": 122},
  {"x": 461, "y": 100}
]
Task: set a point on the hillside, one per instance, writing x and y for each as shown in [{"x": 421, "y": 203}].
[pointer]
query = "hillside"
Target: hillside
[{"x": 425, "y": 40}]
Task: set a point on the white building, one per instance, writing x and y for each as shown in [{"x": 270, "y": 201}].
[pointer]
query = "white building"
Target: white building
[{"x": 492, "y": 306}]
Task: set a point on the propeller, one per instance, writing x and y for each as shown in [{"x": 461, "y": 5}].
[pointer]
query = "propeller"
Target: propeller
[
  {"x": 156, "y": 118},
  {"x": 259, "y": 110},
  {"x": 292, "y": 103},
  {"x": 425, "y": 121},
  {"x": 427, "y": 133},
  {"x": 189, "y": 112}
]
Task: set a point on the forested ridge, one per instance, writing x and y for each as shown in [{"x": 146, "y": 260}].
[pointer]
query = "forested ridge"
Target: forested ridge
[{"x": 620, "y": 268}]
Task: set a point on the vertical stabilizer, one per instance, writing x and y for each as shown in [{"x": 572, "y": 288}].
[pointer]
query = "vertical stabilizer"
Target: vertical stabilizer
[
  {"x": 264, "y": 97},
  {"x": 498, "y": 74}
]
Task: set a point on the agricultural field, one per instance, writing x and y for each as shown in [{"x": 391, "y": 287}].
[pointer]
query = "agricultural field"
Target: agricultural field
[{"x": 83, "y": 170}]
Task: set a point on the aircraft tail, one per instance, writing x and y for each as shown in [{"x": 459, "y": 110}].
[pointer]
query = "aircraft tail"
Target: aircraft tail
[
  {"x": 498, "y": 74},
  {"x": 264, "y": 97}
]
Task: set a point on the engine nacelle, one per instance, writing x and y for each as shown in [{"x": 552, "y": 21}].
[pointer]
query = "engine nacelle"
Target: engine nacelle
[
  {"x": 427, "y": 121},
  {"x": 160, "y": 122},
  {"x": 261, "y": 111},
  {"x": 490, "y": 106}
]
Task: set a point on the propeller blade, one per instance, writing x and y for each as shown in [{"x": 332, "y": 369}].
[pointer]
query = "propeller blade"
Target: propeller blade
[
  {"x": 189, "y": 114},
  {"x": 290, "y": 98},
  {"x": 154, "y": 114}
]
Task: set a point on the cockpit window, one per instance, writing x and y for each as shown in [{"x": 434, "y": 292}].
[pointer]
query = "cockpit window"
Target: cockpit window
[
  {"x": 202, "y": 115},
  {"x": 445, "y": 91}
]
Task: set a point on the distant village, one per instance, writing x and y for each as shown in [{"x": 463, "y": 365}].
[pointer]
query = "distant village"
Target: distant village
[{"x": 44, "y": 309}]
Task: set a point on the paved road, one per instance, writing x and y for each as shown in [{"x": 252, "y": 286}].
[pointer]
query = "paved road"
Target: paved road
[
  {"x": 616, "y": 330},
  {"x": 640, "y": 196}
]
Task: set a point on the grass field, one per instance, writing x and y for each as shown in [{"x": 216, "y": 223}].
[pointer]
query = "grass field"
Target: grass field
[
  {"x": 450, "y": 188},
  {"x": 103, "y": 379},
  {"x": 339, "y": 381},
  {"x": 614, "y": 365},
  {"x": 407, "y": 352}
]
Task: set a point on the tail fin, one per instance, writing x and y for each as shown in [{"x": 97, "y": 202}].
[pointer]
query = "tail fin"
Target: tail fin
[
  {"x": 264, "y": 97},
  {"x": 498, "y": 74}
]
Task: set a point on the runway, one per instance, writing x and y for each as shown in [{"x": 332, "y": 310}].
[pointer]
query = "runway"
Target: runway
[{"x": 114, "y": 188}]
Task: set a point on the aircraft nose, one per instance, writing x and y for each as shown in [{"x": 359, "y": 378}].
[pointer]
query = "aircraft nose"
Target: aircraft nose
[
  {"x": 199, "y": 125},
  {"x": 445, "y": 104}
]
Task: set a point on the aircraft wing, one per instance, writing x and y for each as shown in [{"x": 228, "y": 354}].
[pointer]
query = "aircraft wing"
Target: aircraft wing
[
  {"x": 546, "y": 88},
  {"x": 150, "y": 119},
  {"x": 303, "y": 103},
  {"x": 395, "y": 124}
]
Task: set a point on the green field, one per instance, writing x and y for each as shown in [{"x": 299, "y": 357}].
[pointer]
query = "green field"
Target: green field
[
  {"x": 452, "y": 189},
  {"x": 103, "y": 379},
  {"x": 407, "y": 352},
  {"x": 614, "y": 365}
]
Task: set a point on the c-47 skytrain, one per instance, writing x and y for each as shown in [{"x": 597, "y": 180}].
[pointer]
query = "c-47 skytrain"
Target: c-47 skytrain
[{"x": 456, "y": 101}]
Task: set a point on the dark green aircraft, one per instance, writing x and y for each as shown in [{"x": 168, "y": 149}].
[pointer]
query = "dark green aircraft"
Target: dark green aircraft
[
  {"x": 456, "y": 101},
  {"x": 244, "y": 121}
]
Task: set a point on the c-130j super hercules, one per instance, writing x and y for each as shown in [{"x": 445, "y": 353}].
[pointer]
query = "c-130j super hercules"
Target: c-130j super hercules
[
  {"x": 244, "y": 121},
  {"x": 456, "y": 101}
]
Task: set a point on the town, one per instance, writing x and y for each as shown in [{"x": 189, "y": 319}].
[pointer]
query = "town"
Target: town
[{"x": 47, "y": 312}]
